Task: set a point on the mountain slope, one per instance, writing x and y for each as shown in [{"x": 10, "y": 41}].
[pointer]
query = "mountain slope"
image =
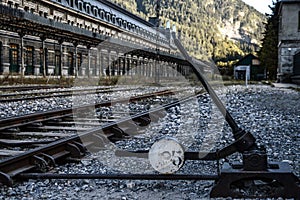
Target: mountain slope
[{"x": 221, "y": 29}]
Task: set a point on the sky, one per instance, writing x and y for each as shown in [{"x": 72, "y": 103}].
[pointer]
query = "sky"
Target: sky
[{"x": 260, "y": 5}]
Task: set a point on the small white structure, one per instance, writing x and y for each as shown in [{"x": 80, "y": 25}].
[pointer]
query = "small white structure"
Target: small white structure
[
  {"x": 249, "y": 66},
  {"x": 242, "y": 72}
]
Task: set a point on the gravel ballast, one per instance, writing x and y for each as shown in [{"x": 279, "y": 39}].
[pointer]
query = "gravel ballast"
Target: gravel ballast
[{"x": 271, "y": 114}]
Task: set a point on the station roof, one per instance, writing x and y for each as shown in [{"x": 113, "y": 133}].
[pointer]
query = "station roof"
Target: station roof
[
  {"x": 119, "y": 12},
  {"x": 246, "y": 60}
]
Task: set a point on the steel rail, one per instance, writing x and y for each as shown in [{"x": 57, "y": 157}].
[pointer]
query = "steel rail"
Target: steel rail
[
  {"x": 53, "y": 91},
  {"x": 66, "y": 147},
  {"x": 255, "y": 164},
  {"x": 42, "y": 116},
  {"x": 23, "y": 88},
  {"x": 243, "y": 140},
  {"x": 235, "y": 128},
  {"x": 5, "y": 97}
]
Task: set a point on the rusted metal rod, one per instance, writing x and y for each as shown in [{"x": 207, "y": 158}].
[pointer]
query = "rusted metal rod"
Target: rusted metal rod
[
  {"x": 232, "y": 123},
  {"x": 42, "y": 116},
  {"x": 119, "y": 176}
]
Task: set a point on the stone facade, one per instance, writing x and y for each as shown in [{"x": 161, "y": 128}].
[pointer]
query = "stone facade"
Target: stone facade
[
  {"x": 33, "y": 52},
  {"x": 289, "y": 40}
]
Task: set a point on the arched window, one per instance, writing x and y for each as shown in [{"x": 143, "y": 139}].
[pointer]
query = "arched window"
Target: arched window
[
  {"x": 71, "y": 3},
  {"x": 128, "y": 25},
  {"x": 87, "y": 8},
  {"x": 119, "y": 21},
  {"x": 108, "y": 16},
  {"x": 80, "y": 6},
  {"x": 113, "y": 18},
  {"x": 101, "y": 13},
  {"x": 95, "y": 11},
  {"x": 133, "y": 27}
]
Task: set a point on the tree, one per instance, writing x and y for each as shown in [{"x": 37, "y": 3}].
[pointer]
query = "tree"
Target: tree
[
  {"x": 200, "y": 20},
  {"x": 268, "y": 54}
]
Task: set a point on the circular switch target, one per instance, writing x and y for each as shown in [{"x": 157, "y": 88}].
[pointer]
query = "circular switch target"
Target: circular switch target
[{"x": 166, "y": 156}]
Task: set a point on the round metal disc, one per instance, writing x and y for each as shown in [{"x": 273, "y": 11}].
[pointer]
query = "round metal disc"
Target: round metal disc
[{"x": 166, "y": 156}]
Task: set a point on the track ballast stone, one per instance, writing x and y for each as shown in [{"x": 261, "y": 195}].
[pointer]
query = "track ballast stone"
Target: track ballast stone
[{"x": 272, "y": 115}]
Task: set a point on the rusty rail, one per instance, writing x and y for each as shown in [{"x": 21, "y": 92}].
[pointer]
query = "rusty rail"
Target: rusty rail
[
  {"x": 64, "y": 93},
  {"x": 47, "y": 156},
  {"x": 31, "y": 87},
  {"x": 42, "y": 116}
]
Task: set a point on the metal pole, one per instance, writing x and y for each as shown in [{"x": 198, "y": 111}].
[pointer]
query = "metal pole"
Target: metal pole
[
  {"x": 157, "y": 70},
  {"x": 247, "y": 71},
  {"x": 235, "y": 128},
  {"x": 246, "y": 78},
  {"x": 118, "y": 176}
]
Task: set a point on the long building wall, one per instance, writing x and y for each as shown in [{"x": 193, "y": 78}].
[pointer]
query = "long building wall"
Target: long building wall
[
  {"x": 61, "y": 59},
  {"x": 33, "y": 55}
]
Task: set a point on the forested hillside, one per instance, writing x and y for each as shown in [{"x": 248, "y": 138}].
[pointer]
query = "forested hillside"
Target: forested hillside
[{"x": 223, "y": 30}]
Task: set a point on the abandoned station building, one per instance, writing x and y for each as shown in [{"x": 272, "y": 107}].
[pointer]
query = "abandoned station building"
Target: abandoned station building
[
  {"x": 289, "y": 41},
  {"x": 80, "y": 37}
]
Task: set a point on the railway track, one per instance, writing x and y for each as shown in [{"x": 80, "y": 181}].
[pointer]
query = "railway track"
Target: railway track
[
  {"x": 23, "y": 105},
  {"x": 56, "y": 92},
  {"x": 70, "y": 134},
  {"x": 27, "y": 87},
  {"x": 53, "y": 136}
]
